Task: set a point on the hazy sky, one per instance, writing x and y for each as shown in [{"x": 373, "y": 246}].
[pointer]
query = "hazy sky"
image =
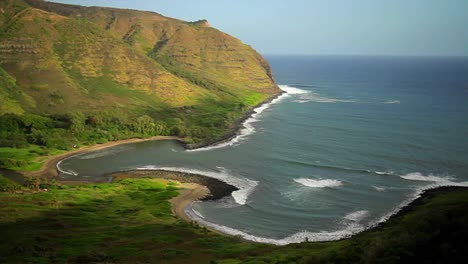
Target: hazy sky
[{"x": 388, "y": 27}]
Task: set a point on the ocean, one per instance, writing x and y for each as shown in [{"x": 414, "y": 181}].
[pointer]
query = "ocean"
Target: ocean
[{"x": 352, "y": 140}]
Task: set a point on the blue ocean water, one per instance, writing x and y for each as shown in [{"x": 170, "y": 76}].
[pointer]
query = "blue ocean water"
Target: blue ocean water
[{"x": 351, "y": 141}]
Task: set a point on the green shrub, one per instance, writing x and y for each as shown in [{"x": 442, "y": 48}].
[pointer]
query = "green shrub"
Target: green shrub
[{"x": 7, "y": 185}]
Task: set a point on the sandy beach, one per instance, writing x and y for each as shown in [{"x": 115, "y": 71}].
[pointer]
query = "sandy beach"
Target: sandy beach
[
  {"x": 193, "y": 187},
  {"x": 189, "y": 193},
  {"x": 49, "y": 168}
]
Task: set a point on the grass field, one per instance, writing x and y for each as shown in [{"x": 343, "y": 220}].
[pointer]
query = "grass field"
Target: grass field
[{"x": 30, "y": 158}]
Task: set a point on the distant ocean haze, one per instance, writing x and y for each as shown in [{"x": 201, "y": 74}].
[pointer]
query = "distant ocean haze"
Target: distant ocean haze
[{"x": 352, "y": 140}]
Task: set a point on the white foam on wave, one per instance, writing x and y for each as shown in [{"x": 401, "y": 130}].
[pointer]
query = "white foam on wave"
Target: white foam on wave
[
  {"x": 292, "y": 90},
  {"x": 247, "y": 127},
  {"x": 68, "y": 172},
  {"x": 417, "y": 176},
  {"x": 437, "y": 181},
  {"x": 384, "y": 172},
  {"x": 317, "y": 98},
  {"x": 245, "y": 186},
  {"x": 392, "y": 102},
  {"x": 380, "y": 188},
  {"x": 90, "y": 155},
  {"x": 298, "y": 237},
  {"x": 353, "y": 227},
  {"x": 196, "y": 212},
  {"x": 357, "y": 215},
  {"x": 318, "y": 183}
]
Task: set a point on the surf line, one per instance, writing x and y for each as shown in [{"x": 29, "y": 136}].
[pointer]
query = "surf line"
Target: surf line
[
  {"x": 352, "y": 228},
  {"x": 245, "y": 127},
  {"x": 244, "y": 186}
]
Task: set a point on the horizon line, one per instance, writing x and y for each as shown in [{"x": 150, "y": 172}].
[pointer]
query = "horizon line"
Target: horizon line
[{"x": 363, "y": 55}]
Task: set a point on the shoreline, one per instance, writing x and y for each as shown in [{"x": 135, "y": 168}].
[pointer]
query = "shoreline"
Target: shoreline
[
  {"x": 217, "y": 189},
  {"x": 200, "y": 187},
  {"x": 409, "y": 207},
  {"x": 234, "y": 131},
  {"x": 197, "y": 183},
  {"x": 49, "y": 168},
  {"x": 425, "y": 194},
  {"x": 195, "y": 188},
  {"x": 188, "y": 194}
]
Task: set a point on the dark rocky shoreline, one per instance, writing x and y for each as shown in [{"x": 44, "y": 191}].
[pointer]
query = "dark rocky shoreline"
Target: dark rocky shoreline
[
  {"x": 218, "y": 189},
  {"x": 236, "y": 127},
  {"x": 426, "y": 194}
]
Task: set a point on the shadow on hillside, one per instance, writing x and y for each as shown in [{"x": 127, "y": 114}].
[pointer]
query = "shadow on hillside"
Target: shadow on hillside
[
  {"x": 141, "y": 229},
  {"x": 103, "y": 230}
]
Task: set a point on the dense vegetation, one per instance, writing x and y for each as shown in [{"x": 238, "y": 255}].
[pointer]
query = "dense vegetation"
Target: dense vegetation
[
  {"x": 24, "y": 139},
  {"x": 72, "y": 75},
  {"x": 130, "y": 221}
]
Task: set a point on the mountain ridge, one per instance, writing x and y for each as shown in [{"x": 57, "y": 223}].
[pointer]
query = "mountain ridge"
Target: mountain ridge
[{"x": 120, "y": 73}]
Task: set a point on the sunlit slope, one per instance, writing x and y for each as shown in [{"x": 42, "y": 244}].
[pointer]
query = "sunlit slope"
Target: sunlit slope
[
  {"x": 193, "y": 51},
  {"x": 70, "y": 57},
  {"x": 68, "y": 63}
]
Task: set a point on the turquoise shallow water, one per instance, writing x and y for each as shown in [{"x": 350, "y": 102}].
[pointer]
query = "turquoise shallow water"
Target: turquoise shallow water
[{"x": 352, "y": 140}]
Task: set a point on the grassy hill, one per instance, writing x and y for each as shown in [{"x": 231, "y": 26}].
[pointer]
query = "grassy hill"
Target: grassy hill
[
  {"x": 82, "y": 75},
  {"x": 130, "y": 222}
]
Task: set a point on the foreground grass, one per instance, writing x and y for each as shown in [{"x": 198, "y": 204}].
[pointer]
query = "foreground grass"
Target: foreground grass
[
  {"x": 125, "y": 222},
  {"x": 130, "y": 221}
]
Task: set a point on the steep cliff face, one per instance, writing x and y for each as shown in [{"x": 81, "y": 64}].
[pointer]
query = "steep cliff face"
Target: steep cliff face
[{"x": 186, "y": 78}]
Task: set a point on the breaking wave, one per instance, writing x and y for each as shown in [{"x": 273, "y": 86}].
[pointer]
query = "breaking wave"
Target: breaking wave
[
  {"x": 247, "y": 127},
  {"x": 317, "y": 98},
  {"x": 68, "y": 172},
  {"x": 335, "y": 168},
  {"x": 292, "y": 90},
  {"x": 303, "y": 96},
  {"x": 437, "y": 181},
  {"x": 318, "y": 183},
  {"x": 357, "y": 216},
  {"x": 353, "y": 227},
  {"x": 392, "y": 102},
  {"x": 382, "y": 172},
  {"x": 197, "y": 213},
  {"x": 417, "y": 176},
  {"x": 245, "y": 186},
  {"x": 299, "y": 237},
  {"x": 380, "y": 188}
]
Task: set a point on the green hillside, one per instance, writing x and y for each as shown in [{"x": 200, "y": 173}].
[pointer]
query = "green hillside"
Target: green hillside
[
  {"x": 74, "y": 75},
  {"x": 130, "y": 221}
]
